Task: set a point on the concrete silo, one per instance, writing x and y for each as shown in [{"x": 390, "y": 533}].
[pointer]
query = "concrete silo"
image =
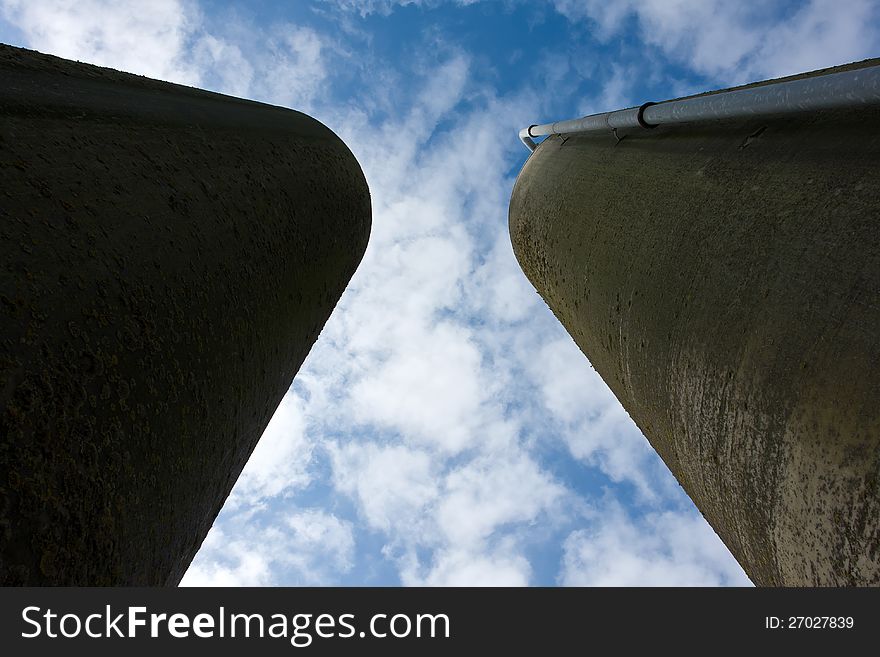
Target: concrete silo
[
  {"x": 717, "y": 259},
  {"x": 169, "y": 256}
]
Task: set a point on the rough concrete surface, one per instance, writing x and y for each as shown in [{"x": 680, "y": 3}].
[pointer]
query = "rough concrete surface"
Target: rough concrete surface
[
  {"x": 724, "y": 280},
  {"x": 169, "y": 256}
]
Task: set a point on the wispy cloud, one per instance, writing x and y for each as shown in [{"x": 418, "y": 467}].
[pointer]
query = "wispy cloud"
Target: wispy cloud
[
  {"x": 735, "y": 42},
  {"x": 731, "y": 42},
  {"x": 591, "y": 421},
  {"x": 447, "y": 474},
  {"x": 309, "y": 547},
  {"x": 172, "y": 41},
  {"x": 365, "y": 7},
  {"x": 153, "y": 43},
  {"x": 280, "y": 463},
  {"x": 668, "y": 548}
]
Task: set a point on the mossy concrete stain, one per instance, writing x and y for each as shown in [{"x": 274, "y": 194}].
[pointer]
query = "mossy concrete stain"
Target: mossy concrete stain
[
  {"x": 169, "y": 256},
  {"x": 724, "y": 280}
]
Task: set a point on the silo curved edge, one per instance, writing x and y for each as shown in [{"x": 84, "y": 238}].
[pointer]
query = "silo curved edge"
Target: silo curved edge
[
  {"x": 169, "y": 256},
  {"x": 723, "y": 279}
]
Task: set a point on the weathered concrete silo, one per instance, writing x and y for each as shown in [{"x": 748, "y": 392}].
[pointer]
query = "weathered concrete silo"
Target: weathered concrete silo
[
  {"x": 169, "y": 256},
  {"x": 722, "y": 274}
]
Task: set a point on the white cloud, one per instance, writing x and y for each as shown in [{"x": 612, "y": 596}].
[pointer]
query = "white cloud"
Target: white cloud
[
  {"x": 592, "y": 422},
  {"x": 235, "y": 74},
  {"x": 280, "y": 461},
  {"x": 500, "y": 291},
  {"x": 152, "y": 43},
  {"x": 491, "y": 492},
  {"x": 429, "y": 390},
  {"x": 616, "y": 90},
  {"x": 457, "y": 567},
  {"x": 822, "y": 33},
  {"x": 170, "y": 41},
  {"x": 221, "y": 562},
  {"x": 736, "y": 42},
  {"x": 661, "y": 549},
  {"x": 311, "y": 547},
  {"x": 471, "y": 520},
  {"x": 292, "y": 67},
  {"x": 394, "y": 485},
  {"x": 733, "y": 42},
  {"x": 365, "y": 7},
  {"x": 450, "y": 483},
  {"x": 319, "y": 546}
]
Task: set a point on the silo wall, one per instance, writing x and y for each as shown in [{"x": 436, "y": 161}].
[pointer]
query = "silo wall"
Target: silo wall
[
  {"x": 168, "y": 256},
  {"x": 724, "y": 280}
]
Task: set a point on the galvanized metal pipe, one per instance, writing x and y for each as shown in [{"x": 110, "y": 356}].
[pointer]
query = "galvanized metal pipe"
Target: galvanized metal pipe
[{"x": 845, "y": 89}]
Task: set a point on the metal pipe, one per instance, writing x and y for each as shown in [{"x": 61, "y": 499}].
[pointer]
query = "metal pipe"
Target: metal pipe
[
  {"x": 845, "y": 89},
  {"x": 526, "y": 139}
]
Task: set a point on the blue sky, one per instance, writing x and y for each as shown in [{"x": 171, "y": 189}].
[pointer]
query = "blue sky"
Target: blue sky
[{"x": 445, "y": 429}]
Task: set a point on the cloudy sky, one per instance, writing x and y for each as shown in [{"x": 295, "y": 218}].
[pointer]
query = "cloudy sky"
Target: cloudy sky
[{"x": 445, "y": 429}]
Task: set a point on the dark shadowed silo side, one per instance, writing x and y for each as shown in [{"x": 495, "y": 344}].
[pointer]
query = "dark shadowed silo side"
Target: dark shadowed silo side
[
  {"x": 169, "y": 256},
  {"x": 724, "y": 280}
]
